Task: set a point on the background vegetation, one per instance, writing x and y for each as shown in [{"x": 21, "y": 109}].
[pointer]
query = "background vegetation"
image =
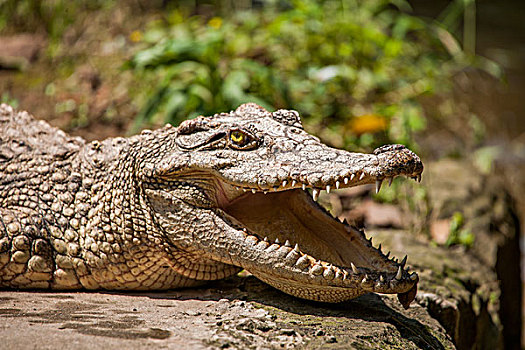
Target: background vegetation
[{"x": 355, "y": 70}]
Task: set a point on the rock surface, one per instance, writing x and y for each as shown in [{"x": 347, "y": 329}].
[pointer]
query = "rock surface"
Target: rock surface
[
  {"x": 239, "y": 313},
  {"x": 457, "y": 189},
  {"x": 455, "y": 288}
]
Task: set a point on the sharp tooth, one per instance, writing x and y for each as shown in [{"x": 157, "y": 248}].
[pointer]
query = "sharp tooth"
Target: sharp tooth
[
  {"x": 296, "y": 248},
  {"x": 254, "y": 190},
  {"x": 381, "y": 278},
  {"x": 304, "y": 187},
  {"x": 277, "y": 241},
  {"x": 272, "y": 247},
  {"x": 252, "y": 240},
  {"x": 419, "y": 178},
  {"x": 262, "y": 245},
  {"x": 294, "y": 183},
  {"x": 378, "y": 185},
  {"x": 403, "y": 262},
  {"x": 352, "y": 177},
  {"x": 387, "y": 254},
  {"x": 315, "y": 193},
  {"x": 292, "y": 255},
  {"x": 365, "y": 279},
  {"x": 327, "y": 188},
  {"x": 345, "y": 180},
  {"x": 354, "y": 269},
  {"x": 413, "y": 276},
  {"x": 244, "y": 189},
  {"x": 265, "y": 192},
  {"x": 362, "y": 176},
  {"x": 399, "y": 273},
  {"x": 302, "y": 262},
  {"x": 390, "y": 179},
  {"x": 287, "y": 243},
  {"x": 316, "y": 270},
  {"x": 337, "y": 184},
  {"x": 329, "y": 273},
  {"x": 284, "y": 183},
  {"x": 265, "y": 239}
]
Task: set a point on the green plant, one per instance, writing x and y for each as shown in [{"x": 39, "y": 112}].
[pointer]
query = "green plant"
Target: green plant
[
  {"x": 6, "y": 98},
  {"x": 351, "y": 68},
  {"x": 458, "y": 234}
]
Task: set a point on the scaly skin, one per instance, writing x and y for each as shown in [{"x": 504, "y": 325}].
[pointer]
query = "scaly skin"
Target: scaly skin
[{"x": 178, "y": 206}]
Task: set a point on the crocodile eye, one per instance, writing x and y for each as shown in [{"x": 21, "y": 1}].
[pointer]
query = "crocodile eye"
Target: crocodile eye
[
  {"x": 242, "y": 140},
  {"x": 238, "y": 137}
]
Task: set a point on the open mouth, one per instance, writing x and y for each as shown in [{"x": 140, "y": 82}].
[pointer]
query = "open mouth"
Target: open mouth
[{"x": 315, "y": 255}]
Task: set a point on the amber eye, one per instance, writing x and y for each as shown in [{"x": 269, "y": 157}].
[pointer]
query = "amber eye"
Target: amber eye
[
  {"x": 238, "y": 137},
  {"x": 242, "y": 140}
]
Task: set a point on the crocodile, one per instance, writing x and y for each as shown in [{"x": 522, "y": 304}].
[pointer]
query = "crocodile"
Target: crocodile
[{"x": 180, "y": 206}]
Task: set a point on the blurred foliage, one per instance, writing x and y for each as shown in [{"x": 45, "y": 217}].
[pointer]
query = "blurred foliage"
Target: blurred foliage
[
  {"x": 355, "y": 70},
  {"x": 53, "y": 16},
  {"x": 485, "y": 157},
  {"x": 459, "y": 235},
  {"x": 6, "y": 98},
  {"x": 50, "y": 16}
]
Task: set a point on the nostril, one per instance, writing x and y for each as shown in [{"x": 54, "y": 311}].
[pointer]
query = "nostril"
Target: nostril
[{"x": 389, "y": 148}]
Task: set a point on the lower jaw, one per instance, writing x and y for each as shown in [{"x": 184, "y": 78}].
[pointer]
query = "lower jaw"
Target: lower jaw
[
  {"x": 327, "y": 294},
  {"x": 319, "y": 236}
]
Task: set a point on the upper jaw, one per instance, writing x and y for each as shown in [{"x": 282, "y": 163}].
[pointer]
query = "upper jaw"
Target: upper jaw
[{"x": 352, "y": 169}]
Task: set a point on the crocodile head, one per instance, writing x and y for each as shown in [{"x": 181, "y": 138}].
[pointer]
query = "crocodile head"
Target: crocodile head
[{"x": 260, "y": 174}]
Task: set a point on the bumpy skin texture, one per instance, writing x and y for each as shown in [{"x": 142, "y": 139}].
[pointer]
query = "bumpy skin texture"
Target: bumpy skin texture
[{"x": 178, "y": 206}]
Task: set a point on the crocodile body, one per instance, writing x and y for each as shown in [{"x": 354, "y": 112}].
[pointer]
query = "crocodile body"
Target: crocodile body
[{"x": 179, "y": 206}]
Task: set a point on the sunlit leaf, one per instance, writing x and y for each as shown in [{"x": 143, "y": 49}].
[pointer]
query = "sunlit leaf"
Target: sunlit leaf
[{"x": 368, "y": 123}]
